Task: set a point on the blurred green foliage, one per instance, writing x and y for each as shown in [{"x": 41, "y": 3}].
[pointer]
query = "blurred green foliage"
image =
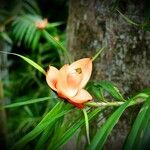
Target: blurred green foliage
[{"x": 18, "y": 29}]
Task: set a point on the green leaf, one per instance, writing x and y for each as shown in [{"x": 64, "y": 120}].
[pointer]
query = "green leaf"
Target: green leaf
[
  {"x": 29, "y": 9},
  {"x": 55, "y": 24},
  {"x": 139, "y": 129},
  {"x": 59, "y": 110},
  {"x": 53, "y": 41},
  {"x": 31, "y": 101},
  {"x": 96, "y": 92},
  {"x": 127, "y": 19},
  {"x": 34, "y": 6},
  {"x": 31, "y": 62},
  {"x": 21, "y": 32},
  {"x": 29, "y": 34},
  {"x": 57, "y": 44},
  {"x": 36, "y": 38},
  {"x": 112, "y": 89},
  {"x": 72, "y": 130},
  {"x": 44, "y": 137},
  {"x": 25, "y": 30},
  {"x": 102, "y": 134},
  {"x": 18, "y": 29},
  {"x": 86, "y": 125}
]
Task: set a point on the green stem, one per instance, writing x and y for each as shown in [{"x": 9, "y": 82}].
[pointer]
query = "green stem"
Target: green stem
[
  {"x": 107, "y": 104},
  {"x": 87, "y": 125},
  {"x": 56, "y": 43},
  {"x": 98, "y": 53}
]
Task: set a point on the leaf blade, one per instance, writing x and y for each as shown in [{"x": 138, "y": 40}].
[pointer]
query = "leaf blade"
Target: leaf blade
[
  {"x": 31, "y": 101},
  {"x": 101, "y": 136},
  {"x": 138, "y": 126},
  {"x": 56, "y": 112},
  {"x": 72, "y": 130}
]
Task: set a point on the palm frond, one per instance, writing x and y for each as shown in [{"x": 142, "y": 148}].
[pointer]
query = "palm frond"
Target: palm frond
[
  {"x": 24, "y": 30},
  {"x": 31, "y": 7}
]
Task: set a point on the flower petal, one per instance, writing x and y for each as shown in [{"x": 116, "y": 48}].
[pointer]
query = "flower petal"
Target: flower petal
[
  {"x": 85, "y": 66},
  {"x": 80, "y": 106},
  {"x": 51, "y": 77},
  {"x": 63, "y": 89},
  {"x": 81, "y": 97},
  {"x": 74, "y": 79}
]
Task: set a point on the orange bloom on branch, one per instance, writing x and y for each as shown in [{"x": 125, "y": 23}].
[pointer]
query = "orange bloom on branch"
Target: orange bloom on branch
[
  {"x": 41, "y": 24},
  {"x": 70, "y": 80}
]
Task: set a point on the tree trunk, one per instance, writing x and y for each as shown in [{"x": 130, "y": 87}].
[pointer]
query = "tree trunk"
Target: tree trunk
[
  {"x": 93, "y": 24},
  {"x": 3, "y": 76}
]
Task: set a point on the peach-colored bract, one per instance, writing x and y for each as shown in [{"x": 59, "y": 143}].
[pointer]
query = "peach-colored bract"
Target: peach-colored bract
[
  {"x": 42, "y": 23},
  {"x": 70, "y": 80}
]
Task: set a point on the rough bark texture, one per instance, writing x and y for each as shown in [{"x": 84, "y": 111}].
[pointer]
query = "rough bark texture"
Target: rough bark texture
[{"x": 93, "y": 24}]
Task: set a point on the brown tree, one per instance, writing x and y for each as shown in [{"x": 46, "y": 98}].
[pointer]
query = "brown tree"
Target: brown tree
[{"x": 93, "y": 24}]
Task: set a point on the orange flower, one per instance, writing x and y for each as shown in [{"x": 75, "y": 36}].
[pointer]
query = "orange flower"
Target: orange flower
[
  {"x": 70, "y": 80},
  {"x": 42, "y": 23}
]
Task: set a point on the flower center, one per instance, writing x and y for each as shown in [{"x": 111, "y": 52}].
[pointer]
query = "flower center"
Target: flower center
[{"x": 78, "y": 70}]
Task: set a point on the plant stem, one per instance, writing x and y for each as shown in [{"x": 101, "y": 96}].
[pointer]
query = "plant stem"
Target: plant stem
[
  {"x": 107, "y": 104},
  {"x": 87, "y": 125},
  {"x": 56, "y": 43},
  {"x": 98, "y": 53}
]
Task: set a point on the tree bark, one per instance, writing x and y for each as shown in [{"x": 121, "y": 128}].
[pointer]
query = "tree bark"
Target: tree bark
[{"x": 126, "y": 62}]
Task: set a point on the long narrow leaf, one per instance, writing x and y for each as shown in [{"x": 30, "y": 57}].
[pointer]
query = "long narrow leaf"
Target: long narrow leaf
[
  {"x": 57, "y": 44},
  {"x": 27, "y": 39},
  {"x": 31, "y": 62},
  {"x": 127, "y": 19},
  {"x": 101, "y": 136},
  {"x": 36, "y": 40},
  {"x": 53, "y": 41},
  {"x": 31, "y": 101},
  {"x": 138, "y": 127},
  {"x": 112, "y": 89},
  {"x": 58, "y": 111},
  {"x": 86, "y": 125},
  {"x": 72, "y": 130},
  {"x": 45, "y": 135}
]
